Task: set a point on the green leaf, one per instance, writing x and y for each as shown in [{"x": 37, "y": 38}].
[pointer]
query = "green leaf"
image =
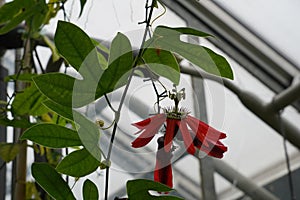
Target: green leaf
[
  {"x": 162, "y": 63},
  {"x": 102, "y": 52},
  {"x": 139, "y": 189},
  {"x": 119, "y": 47},
  {"x": 169, "y": 39},
  {"x": 51, "y": 181},
  {"x": 31, "y": 191},
  {"x": 56, "y": 86},
  {"x": 78, "y": 164},
  {"x": 29, "y": 102},
  {"x": 73, "y": 43},
  {"x": 8, "y": 151},
  {"x": 9, "y": 10},
  {"x": 188, "y": 31},
  {"x": 90, "y": 190},
  {"x": 82, "y": 4},
  {"x": 38, "y": 18},
  {"x": 19, "y": 123},
  {"x": 20, "y": 77},
  {"x": 61, "y": 110},
  {"x": 52, "y": 135},
  {"x": 89, "y": 134},
  {"x": 13, "y": 13},
  {"x": 66, "y": 90},
  {"x": 100, "y": 46},
  {"x": 120, "y": 63}
]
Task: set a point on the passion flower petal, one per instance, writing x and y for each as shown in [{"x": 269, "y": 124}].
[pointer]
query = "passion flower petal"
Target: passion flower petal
[
  {"x": 204, "y": 131},
  {"x": 187, "y": 139},
  {"x": 163, "y": 169},
  {"x": 144, "y": 138},
  {"x": 171, "y": 123},
  {"x": 151, "y": 121}
]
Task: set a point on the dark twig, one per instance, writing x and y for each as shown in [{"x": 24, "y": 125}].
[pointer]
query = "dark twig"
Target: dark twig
[{"x": 39, "y": 60}]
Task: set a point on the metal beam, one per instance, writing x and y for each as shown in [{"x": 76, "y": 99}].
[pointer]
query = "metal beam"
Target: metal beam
[
  {"x": 256, "y": 105},
  {"x": 241, "y": 182},
  {"x": 286, "y": 97},
  {"x": 206, "y": 164},
  {"x": 238, "y": 42}
]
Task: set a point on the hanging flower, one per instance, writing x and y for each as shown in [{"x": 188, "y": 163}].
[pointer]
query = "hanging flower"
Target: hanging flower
[
  {"x": 201, "y": 136},
  {"x": 179, "y": 124}
]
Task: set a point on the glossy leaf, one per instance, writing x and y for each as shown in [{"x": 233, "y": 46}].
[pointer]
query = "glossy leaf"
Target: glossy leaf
[
  {"x": 102, "y": 52},
  {"x": 19, "y": 123},
  {"x": 29, "y": 102},
  {"x": 89, "y": 134},
  {"x": 100, "y": 46},
  {"x": 78, "y": 163},
  {"x": 8, "y": 151},
  {"x": 9, "y": 10},
  {"x": 139, "y": 189},
  {"x": 119, "y": 65},
  {"x": 80, "y": 51},
  {"x": 26, "y": 77},
  {"x": 37, "y": 19},
  {"x": 89, "y": 190},
  {"x": 52, "y": 135},
  {"x": 13, "y": 13},
  {"x": 72, "y": 43},
  {"x": 66, "y": 90},
  {"x": 169, "y": 39},
  {"x": 56, "y": 86},
  {"x": 162, "y": 63},
  {"x": 61, "y": 110},
  {"x": 119, "y": 47},
  {"x": 51, "y": 181}
]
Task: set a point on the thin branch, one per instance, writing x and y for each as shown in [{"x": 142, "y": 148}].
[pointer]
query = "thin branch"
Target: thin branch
[
  {"x": 39, "y": 61},
  {"x": 109, "y": 104}
]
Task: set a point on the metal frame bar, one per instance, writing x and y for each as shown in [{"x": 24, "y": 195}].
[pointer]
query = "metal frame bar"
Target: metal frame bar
[
  {"x": 206, "y": 164},
  {"x": 265, "y": 111},
  {"x": 241, "y": 182},
  {"x": 247, "y": 49}
]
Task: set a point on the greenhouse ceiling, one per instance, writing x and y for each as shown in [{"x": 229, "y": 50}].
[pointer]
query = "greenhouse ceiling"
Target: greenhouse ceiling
[{"x": 256, "y": 110}]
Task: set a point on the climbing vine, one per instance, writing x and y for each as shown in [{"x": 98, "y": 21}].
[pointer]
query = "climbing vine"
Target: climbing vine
[{"x": 47, "y": 109}]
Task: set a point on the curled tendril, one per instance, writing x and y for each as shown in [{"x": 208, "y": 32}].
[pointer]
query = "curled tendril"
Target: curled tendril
[
  {"x": 162, "y": 14},
  {"x": 100, "y": 123}
]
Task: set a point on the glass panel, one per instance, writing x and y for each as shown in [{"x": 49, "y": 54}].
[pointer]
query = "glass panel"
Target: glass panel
[{"x": 275, "y": 21}]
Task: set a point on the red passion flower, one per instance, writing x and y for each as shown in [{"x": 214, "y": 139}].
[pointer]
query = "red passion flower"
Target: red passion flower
[
  {"x": 179, "y": 124},
  {"x": 202, "y": 136}
]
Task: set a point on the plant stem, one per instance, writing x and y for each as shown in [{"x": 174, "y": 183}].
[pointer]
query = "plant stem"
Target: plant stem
[
  {"x": 140, "y": 54},
  {"x": 21, "y": 159}
]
